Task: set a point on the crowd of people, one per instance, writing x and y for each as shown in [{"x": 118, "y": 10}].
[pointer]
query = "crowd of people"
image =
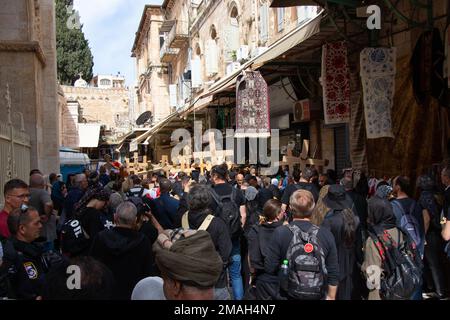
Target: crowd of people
[{"x": 226, "y": 235}]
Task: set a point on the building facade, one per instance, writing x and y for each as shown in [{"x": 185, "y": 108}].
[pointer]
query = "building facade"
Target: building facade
[
  {"x": 151, "y": 72},
  {"x": 28, "y": 66},
  {"x": 96, "y": 115}
]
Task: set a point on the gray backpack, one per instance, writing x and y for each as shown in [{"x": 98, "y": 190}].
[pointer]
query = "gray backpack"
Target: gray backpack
[{"x": 307, "y": 272}]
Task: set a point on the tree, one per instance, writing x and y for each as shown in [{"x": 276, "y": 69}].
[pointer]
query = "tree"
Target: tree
[{"x": 72, "y": 48}]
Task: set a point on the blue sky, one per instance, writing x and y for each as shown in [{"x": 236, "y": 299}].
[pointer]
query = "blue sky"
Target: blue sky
[{"x": 110, "y": 27}]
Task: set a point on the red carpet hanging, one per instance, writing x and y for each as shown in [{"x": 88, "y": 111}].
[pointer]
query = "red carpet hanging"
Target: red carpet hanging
[
  {"x": 378, "y": 79},
  {"x": 252, "y": 106},
  {"x": 336, "y": 83}
]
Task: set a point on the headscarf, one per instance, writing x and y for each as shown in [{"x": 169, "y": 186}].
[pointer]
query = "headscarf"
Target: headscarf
[
  {"x": 380, "y": 213},
  {"x": 192, "y": 260},
  {"x": 275, "y": 182},
  {"x": 321, "y": 209}
]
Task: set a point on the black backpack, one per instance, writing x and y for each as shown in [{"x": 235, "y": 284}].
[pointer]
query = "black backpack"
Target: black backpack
[
  {"x": 401, "y": 264},
  {"x": 307, "y": 272},
  {"x": 228, "y": 211},
  {"x": 74, "y": 238}
]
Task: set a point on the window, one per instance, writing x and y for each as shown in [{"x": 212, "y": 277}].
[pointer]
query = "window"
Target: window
[
  {"x": 231, "y": 37},
  {"x": 264, "y": 22},
  {"x": 105, "y": 82},
  {"x": 280, "y": 19}
]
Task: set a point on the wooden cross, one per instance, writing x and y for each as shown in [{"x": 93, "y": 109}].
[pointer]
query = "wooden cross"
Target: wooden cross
[
  {"x": 303, "y": 160},
  {"x": 136, "y": 166},
  {"x": 215, "y": 156}
]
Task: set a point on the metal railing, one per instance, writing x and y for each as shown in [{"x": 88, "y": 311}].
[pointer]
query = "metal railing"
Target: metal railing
[{"x": 166, "y": 54}]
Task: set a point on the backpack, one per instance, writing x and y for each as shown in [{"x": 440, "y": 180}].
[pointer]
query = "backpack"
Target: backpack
[
  {"x": 402, "y": 267},
  {"x": 74, "y": 238},
  {"x": 228, "y": 211},
  {"x": 205, "y": 224},
  {"x": 135, "y": 197},
  {"x": 407, "y": 222},
  {"x": 306, "y": 261}
]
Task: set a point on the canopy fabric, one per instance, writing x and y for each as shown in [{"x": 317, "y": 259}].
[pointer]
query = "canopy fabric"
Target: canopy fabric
[{"x": 88, "y": 135}]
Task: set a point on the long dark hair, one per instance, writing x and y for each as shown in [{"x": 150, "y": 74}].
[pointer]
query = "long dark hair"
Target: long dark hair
[{"x": 349, "y": 227}]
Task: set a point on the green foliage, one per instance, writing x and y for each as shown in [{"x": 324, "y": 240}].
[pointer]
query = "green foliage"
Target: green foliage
[{"x": 73, "y": 53}]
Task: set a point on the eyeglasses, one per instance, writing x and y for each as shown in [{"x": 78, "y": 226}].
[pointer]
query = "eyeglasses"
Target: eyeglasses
[{"x": 21, "y": 196}]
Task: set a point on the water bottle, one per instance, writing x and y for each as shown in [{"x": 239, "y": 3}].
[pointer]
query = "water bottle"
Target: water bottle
[{"x": 284, "y": 274}]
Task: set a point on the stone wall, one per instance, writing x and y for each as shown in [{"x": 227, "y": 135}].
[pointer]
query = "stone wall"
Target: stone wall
[
  {"x": 28, "y": 65},
  {"x": 109, "y": 107}
]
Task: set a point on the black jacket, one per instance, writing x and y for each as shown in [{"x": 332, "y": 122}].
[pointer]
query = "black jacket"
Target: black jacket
[
  {"x": 129, "y": 256},
  {"x": 14, "y": 281},
  {"x": 259, "y": 238},
  {"x": 282, "y": 236},
  {"x": 31, "y": 263},
  {"x": 220, "y": 237}
]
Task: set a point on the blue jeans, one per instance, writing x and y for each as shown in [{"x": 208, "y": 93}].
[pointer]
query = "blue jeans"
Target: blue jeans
[{"x": 235, "y": 271}]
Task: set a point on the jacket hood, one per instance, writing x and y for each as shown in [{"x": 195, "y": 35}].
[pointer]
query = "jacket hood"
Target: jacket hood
[{"x": 121, "y": 240}]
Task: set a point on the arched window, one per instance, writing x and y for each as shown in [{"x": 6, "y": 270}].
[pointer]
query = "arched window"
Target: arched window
[{"x": 234, "y": 16}]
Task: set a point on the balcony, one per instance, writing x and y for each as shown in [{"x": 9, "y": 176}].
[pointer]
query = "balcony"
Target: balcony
[
  {"x": 166, "y": 54},
  {"x": 178, "y": 33}
]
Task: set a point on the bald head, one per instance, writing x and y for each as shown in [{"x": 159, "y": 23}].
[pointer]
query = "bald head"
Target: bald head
[
  {"x": 37, "y": 181},
  {"x": 126, "y": 214}
]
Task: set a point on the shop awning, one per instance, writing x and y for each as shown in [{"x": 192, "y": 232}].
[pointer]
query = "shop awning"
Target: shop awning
[
  {"x": 88, "y": 135},
  {"x": 292, "y": 39},
  {"x": 150, "y": 132}
]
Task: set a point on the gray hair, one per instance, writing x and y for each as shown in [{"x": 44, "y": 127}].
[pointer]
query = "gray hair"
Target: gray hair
[
  {"x": 126, "y": 213},
  {"x": 115, "y": 200}
]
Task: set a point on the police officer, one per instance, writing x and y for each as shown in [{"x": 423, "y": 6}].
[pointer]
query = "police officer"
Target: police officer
[
  {"x": 14, "y": 282},
  {"x": 25, "y": 226}
]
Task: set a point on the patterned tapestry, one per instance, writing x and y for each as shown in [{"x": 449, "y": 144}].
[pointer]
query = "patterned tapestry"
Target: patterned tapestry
[
  {"x": 252, "y": 106},
  {"x": 336, "y": 83},
  {"x": 378, "y": 71}
]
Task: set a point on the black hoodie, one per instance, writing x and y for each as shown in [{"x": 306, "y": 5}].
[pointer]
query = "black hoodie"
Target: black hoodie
[{"x": 128, "y": 255}]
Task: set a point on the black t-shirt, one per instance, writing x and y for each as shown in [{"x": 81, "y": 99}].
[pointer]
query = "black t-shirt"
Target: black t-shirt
[
  {"x": 282, "y": 236},
  {"x": 224, "y": 189},
  {"x": 290, "y": 189}
]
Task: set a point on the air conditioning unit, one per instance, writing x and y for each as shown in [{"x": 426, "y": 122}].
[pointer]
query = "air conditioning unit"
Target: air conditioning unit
[
  {"x": 258, "y": 50},
  {"x": 302, "y": 110},
  {"x": 242, "y": 53},
  {"x": 232, "y": 67}
]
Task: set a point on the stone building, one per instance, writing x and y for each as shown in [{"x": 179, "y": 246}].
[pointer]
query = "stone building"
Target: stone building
[
  {"x": 200, "y": 43},
  {"x": 90, "y": 111},
  {"x": 28, "y": 66},
  {"x": 151, "y": 72}
]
